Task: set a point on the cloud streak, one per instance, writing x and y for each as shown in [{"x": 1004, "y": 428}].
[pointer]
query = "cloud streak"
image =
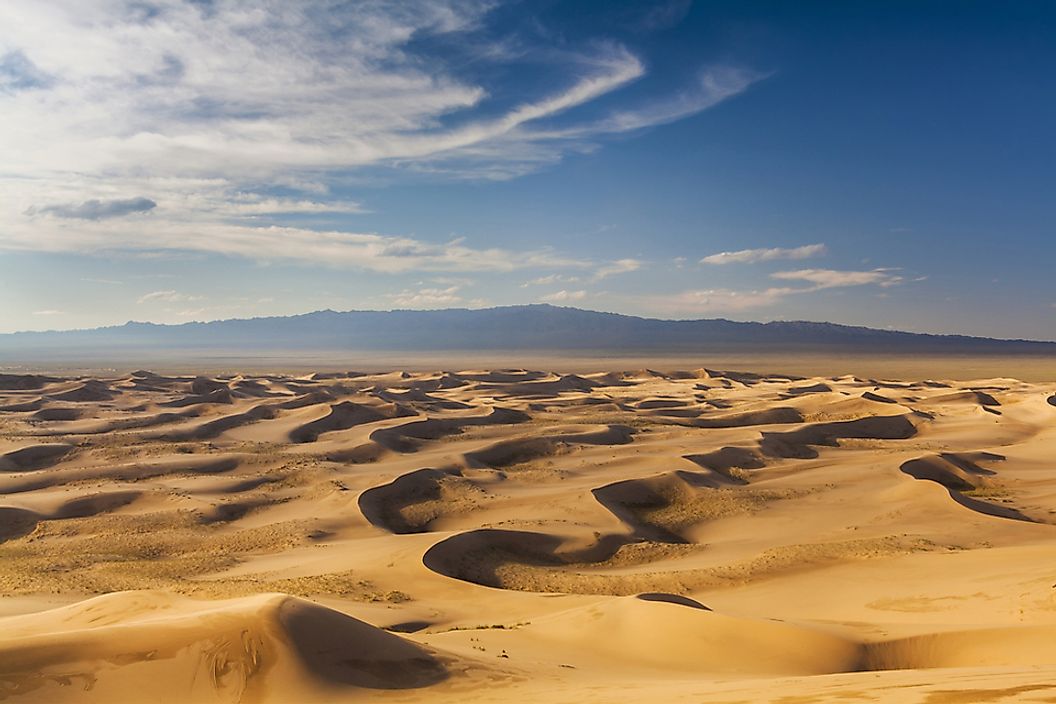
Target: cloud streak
[
  {"x": 331, "y": 248},
  {"x": 167, "y": 297},
  {"x": 829, "y": 278},
  {"x": 550, "y": 279},
  {"x": 210, "y": 108},
  {"x": 97, "y": 209},
  {"x": 563, "y": 296},
  {"x": 725, "y": 300},
  {"x": 427, "y": 297},
  {"x": 751, "y": 256},
  {"x": 620, "y": 266}
]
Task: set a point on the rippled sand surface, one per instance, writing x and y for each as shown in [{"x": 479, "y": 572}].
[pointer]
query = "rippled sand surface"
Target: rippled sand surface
[{"x": 514, "y": 535}]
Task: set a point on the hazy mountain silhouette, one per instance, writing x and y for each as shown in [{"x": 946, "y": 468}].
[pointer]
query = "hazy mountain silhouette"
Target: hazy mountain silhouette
[{"x": 528, "y": 327}]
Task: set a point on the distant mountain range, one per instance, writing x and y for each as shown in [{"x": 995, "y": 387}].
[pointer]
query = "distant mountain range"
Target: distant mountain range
[{"x": 521, "y": 328}]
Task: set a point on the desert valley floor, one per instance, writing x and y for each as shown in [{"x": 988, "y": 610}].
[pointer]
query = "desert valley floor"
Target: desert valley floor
[{"x": 513, "y": 535}]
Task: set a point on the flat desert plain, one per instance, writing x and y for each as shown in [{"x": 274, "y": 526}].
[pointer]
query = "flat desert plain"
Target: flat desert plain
[{"x": 522, "y": 536}]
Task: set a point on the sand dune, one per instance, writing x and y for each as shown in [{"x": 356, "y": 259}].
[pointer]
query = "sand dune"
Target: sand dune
[
  {"x": 91, "y": 390},
  {"x": 680, "y": 638},
  {"x": 345, "y": 415},
  {"x": 34, "y": 456},
  {"x": 514, "y": 452},
  {"x": 24, "y": 382},
  {"x": 801, "y": 443},
  {"x": 213, "y": 428},
  {"x": 526, "y": 536},
  {"x": 183, "y": 464},
  {"x": 267, "y": 648},
  {"x": 411, "y": 502},
  {"x": 769, "y": 416},
  {"x": 409, "y": 436},
  {"x": 222, "y": 395}
]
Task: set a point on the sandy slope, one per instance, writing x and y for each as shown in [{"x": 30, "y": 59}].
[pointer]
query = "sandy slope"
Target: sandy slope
[{"x": 515, "y": 535}]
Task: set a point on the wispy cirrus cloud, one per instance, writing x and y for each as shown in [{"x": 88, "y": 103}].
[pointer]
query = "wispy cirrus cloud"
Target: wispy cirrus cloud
[
  {"x": 713, "y": 85},
  {"x": 96, "y": 209},
  {"x": 170, "y": 296},
  {"x": 765, "y": 254},
  {"x": 427, "y": 297},
  {"x": 721, "y": 300},
  {"x": 236, "y": 205},
  {"x": 209, "y": 115},
  {"x": 331, "y": 248},
  {"x": 434, "y": 297},
  {"x": 550, "y": 279},
  {"x": 620, "y": 266},
  {"x": 243, "y": 87},
  {"x": 829, "y": 278},
  {"x": 563, "y": 296},
  {"x": 726, "y": 300}
]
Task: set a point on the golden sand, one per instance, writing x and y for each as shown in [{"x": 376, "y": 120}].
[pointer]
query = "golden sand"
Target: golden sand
[{"x": 512, "y": 535}]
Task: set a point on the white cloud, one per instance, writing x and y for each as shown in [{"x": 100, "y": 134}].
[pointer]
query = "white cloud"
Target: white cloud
[
  {"x": 195, "y": 112},
  {"x": 720, "y": 300},
  {"x": 550, "y": 279},
  {"x": 563, "y": 296},
  {"x": 248, "y": 89},
  {"x": 167, "y": 297},
  {"x": 434, "y": 298},
  {"x": 829, "y": 278},
  {"x": 620, "y": 266},
  {"x": 750, "y": 256},
  {"x": 714, "y": 85},
  {"x": 251, "y": 204},
  {"x": 459, "y": 281},
  {"x": 96, "y": 209},
  {"x": 365, "y": 251},
  {"x": 427, "y": 297},
  {"x": 49, "y": 312}
]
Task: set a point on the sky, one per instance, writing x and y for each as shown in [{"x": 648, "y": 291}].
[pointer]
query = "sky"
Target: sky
[{"x": 889, "y": 164}]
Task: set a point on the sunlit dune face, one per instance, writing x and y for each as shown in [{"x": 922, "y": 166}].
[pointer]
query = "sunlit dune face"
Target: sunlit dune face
[{"x": 522, "y": 533}]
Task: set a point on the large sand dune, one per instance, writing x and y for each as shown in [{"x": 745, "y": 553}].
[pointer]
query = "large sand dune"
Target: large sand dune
[{"x": 512, "y": 535}]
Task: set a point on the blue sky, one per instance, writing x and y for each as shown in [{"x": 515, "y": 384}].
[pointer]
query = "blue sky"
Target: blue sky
[{"x": 889, "y": 164}]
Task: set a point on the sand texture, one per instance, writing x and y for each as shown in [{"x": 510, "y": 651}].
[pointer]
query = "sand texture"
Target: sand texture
[{"x": 524, "y": 536}]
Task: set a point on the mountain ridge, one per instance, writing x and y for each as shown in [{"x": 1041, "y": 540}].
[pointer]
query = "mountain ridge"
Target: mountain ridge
[{"x": 520, "y": 327}]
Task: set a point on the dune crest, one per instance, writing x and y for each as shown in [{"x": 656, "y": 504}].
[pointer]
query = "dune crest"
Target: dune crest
[
  {"x": 525, "y": 535},
  {"x": 266, "y": 648}
]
